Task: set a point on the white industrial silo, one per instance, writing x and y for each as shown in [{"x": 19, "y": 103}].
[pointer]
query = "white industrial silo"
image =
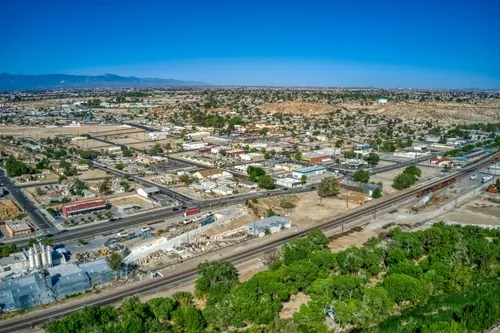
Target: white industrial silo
[
  {"x": 37, "y": 257},
  {"x": 31, "y": 258},
  {"x": 43, "y": 253},
  {"x": 49, "y": 255}
]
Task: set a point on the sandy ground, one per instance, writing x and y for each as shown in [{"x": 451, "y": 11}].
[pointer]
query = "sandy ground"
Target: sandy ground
[
  {"x": 293, "y": 305},
  {"x": 387, "y": 177},
  {"x": 90, "y": 144},
  {"x": 8, "y": 210},
  {"x": 44, "y": 132},
  {"x": 131, "y": 201},
  {"x": 478, "y": 211}
]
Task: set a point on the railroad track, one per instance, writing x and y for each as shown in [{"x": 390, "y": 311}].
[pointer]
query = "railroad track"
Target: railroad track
[{"x": 35, "y": 318}]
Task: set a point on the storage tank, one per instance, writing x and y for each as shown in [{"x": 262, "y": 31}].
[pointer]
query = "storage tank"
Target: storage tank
[
  {"x": 43, "y": 253},
  {"x": 37, "y": 257},
  {"x": 31, "y": 257},
  {"x": 49, "y": 256}
]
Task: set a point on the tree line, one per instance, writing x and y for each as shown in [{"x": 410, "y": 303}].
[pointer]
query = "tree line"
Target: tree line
[{"x": 443, "y": 279}]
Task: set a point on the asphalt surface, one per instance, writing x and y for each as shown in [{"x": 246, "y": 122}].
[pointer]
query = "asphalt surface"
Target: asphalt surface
[
  {"x": 155, "y": 216},
  {"x": 26, "y": 204},
  {"x": 38, "y": 317}
]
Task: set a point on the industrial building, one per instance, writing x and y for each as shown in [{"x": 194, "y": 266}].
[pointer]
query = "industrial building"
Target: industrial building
[
  {"x": 289, "y": 182},
  {"x": 193, "y": 145},
  {"x": 309, "y": 171},
  {"x": 158, "y": 135},
  {"x": 128, "y": 209},
  {"x": 252, "y": 157},
  {"x": 268, "y": 225},
  {"x": 315, "y": 157},
  {"x": 17, "y": 228},
  {"x": 52, "y": 284},
  {"x": 146, "y": 192},
  {"x": 197, "y": 136},
  {"x": 82, "y": 207}
]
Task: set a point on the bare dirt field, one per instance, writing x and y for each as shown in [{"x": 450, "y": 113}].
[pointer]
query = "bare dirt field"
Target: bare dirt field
[
  {"x": 44, "y": 132},
  {"x": 8, "y": 210},
  {"x": 478, "y": 211},
  {"x": 90, "y": 144},
  {"x": 92, "y": 174},
  {"x": 135, "y": 200}
]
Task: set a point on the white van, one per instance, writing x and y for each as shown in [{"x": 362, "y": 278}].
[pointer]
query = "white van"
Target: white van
[{"x": 473, "y": 176}]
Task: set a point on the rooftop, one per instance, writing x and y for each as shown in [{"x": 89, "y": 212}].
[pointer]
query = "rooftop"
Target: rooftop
[
  {"x": 18, "y": 225},
  {"x": 310, "y": 169}
]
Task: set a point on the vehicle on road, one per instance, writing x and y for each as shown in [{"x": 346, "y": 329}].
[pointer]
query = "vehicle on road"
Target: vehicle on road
[
  {"x": 486, "y": 178},
  {"x": 474, "y": 176},
  {"x": 192, "y": 211}
]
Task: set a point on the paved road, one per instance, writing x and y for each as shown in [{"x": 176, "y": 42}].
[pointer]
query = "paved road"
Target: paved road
[
  {"x": 37, "y": 317},
  {"x": 26, "y": 205},
  {"x": 156, "y": 216}
]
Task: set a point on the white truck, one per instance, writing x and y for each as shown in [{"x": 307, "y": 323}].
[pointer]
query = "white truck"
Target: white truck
[{"x": 486, "y": 178}]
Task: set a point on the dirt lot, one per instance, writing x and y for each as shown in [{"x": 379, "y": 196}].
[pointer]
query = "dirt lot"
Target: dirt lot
[
  {"x": 44, "y": 132},
  {"x": 8, "y": 210},
  {"x": 387, "y": 177},
  {"x": 478, "y": 211},
  {"x": 135, "y": 200},
  {"x": 90, "y": 144}
]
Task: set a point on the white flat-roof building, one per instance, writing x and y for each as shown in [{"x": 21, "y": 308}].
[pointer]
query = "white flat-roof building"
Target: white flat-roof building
[
  {"x": 158, "y": 135},
  {"x": 289, "y": 182},
  {"x": 146, "y": 192},
  {"x": 193, "y": 145},
  {"x": 269, "y": 225},
  {"x": 115, "y": 149},
  {"x": 309, "y": 171}
]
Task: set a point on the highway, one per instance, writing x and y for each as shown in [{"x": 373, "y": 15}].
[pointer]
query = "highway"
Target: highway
[{"x": 38, "y": 317}]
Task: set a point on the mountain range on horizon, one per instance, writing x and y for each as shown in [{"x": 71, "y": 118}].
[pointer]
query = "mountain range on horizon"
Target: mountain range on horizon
[{"x": 10, "y": 82}]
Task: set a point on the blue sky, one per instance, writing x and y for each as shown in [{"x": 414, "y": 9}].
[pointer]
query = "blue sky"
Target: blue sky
[{"x": 419, "y": 44}]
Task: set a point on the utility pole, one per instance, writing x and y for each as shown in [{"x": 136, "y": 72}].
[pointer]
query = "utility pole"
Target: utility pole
[{"x": 347, "y": 199}]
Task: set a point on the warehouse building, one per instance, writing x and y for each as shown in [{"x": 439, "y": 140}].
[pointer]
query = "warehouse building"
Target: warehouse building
[
  {"x": 17, "y": 228},
  {"x": 128, "y": 209},
  {"x": 309, "y": 171},
  {"x": 193, "y": 145},
  {"x": 252, "y": 157},
  {"x": 315, "y": 157},
  {"x": 158, "y": 135},
  {"x": 83, "y": 207},
  {"x": 269, "y": 225},
  {"x": 146, "y": 192},
  {"x": 289, "y": 182}
]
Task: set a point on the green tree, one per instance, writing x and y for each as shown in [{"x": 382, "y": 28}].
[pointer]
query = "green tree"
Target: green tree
[
  {"x": 362, "y": 176},
  {"x": 105, "y": 187},
  {"x": 115, "y": 261},
  {"x": 328, "y": 188},
  {"x": 120, "y": 166},
  {"x": 266, "y": 182},
  {"x": 298, "y": 156},
  {"x": 303, "y": 179},
  {"x": 162, "y": 307},
  {"x": 403, "y": 180},
  {"x": 372, "y": 158},
  {"x": 215, "y": 279},
  {"x": 126, "y": 185},
  {"x": 287, "y": 204},
  {"x": 413, "y": 170},
  {"x": 270, "y": 212},
  {"x": 377, "y": 193},
  {"x": 255, "y": 172},
  {"x": 403, "y": 288}
]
